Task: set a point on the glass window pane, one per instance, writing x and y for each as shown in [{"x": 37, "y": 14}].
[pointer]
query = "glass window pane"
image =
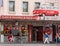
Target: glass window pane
[
  {"x": 25, "y": 6},
  {"x": 11, "y": 5},
  {"x": 51, "y": 4},
  {"x": 37, "y": 5}
]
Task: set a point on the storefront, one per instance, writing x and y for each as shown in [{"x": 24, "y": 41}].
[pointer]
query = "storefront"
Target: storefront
[
  {"x": 31, "y": 28},
  {"x": 22, "y": 22}
]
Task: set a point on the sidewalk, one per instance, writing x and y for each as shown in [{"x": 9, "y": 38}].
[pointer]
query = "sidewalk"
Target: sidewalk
[{"x": 29, "y": 44}]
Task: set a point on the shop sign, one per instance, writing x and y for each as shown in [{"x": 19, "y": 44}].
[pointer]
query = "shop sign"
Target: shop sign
[
  {"x": 47, "y": 12},
  {"x": 21, "y": 17},
  {"x": 52, "y": 17}
]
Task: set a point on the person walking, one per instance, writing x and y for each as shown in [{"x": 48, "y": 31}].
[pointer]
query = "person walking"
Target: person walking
[{"x": 46, "y": 38}]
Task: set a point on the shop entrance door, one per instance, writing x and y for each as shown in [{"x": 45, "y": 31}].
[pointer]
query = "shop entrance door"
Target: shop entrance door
[
  {"x": 37, "y": 33},
  {"x": 55, "y": 28}
]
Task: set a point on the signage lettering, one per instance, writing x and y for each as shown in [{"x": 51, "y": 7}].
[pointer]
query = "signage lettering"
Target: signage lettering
[{"x": 20, "y": 17}]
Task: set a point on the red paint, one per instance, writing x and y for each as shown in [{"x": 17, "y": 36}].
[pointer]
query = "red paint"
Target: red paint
[
  {"x": 30, "y": 33},
  {"x": 46, "y": 12},
  {"x": 9, "y": 17},
  {"x": 59, "y": 29}
]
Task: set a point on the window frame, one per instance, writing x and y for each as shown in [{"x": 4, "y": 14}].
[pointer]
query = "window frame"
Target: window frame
[
  {"x": 35, "y": 7},
  {"x": 26, "y": 9},
  {"x": 51, "y": 4},
  {"x": 13, "y": 7}
]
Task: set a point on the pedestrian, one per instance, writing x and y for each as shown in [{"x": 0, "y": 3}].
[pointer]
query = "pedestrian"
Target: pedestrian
[{"x": 46, "y": 37}]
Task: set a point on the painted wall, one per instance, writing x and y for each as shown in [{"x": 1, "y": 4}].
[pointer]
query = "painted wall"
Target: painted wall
[{"x": 19, "y": 7}]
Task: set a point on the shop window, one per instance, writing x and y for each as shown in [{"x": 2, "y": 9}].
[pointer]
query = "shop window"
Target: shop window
[
  {"x": 6, "y": 29},
  {"x": 11, "y": 29},
  {"x": 12, "y": 6},
  {"x": 37, "y": 5},
  {"x": 25, "y": 6},
  {"x": 24, "y": 31}
]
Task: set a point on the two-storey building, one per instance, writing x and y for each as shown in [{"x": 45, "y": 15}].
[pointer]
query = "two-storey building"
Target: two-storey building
[{"x": 19, "y": 13}]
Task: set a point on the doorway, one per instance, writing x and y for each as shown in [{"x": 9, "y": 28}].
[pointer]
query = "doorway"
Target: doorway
[
  {"x": 37, "y": 33},
  {"x": 55, "y": 30}
]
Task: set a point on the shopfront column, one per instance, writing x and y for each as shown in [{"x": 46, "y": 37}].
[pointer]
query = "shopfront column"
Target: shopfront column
[
  {"x": 30, "y": 33},
  {"x": 1, "y": 30}
]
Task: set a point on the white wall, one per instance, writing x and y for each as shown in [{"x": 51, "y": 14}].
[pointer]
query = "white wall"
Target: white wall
[{"x": 19, "y": 7}]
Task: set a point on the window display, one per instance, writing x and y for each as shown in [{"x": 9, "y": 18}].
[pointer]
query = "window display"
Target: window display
[
  {"x": 24, "y": 31},
  {"x": 6, "y": 30},
  {"x": 18, "y": 32}
]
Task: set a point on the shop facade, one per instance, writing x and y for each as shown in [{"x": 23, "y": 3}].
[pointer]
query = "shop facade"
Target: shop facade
[
  {"x": 31, "y": 28},
  {"x": 22, "y": 22}
]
